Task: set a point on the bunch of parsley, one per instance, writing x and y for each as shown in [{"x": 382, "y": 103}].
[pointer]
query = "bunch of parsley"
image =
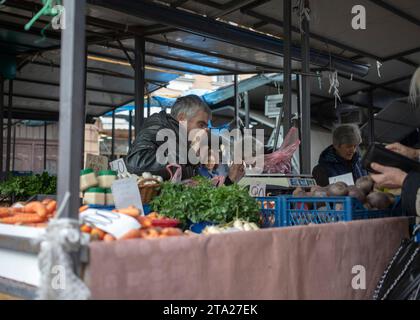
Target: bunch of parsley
[{"x": 203, "y": 202}]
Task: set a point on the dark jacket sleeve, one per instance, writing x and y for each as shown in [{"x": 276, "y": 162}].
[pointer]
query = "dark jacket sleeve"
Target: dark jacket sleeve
[
  {"x": 410, "y": 194},
  {"x": 142, "y": 156},
  {"x": 320, "y": 175}
]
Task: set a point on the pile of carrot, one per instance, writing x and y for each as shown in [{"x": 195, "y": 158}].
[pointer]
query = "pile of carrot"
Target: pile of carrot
[
  {"x": 35, "y": 213},
  {"x": 147, "y": 231}
]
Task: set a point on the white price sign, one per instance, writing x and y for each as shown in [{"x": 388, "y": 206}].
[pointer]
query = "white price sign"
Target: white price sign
[
  {"x": 114, "y": 223},
  {"x": 346, "y": 178},
  {"x": 119, "y": 166},
  {"x": 257, "y": 190},
  {"x": 126, "y": 193}
]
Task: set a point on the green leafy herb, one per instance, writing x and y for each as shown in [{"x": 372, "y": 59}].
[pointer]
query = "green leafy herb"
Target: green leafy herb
[
  {"x": 27, "y": 186},
  {"x": 204, "y": 202}
]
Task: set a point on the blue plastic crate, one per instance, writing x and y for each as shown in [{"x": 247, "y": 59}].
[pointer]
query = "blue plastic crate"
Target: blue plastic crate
[
  {"x": 283, "y": 211},
  {"x": 417, "y": 235}
]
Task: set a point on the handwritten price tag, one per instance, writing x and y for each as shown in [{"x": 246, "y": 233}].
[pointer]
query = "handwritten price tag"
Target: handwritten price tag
[
  {"x": 120, "y": 167},
  {"x": 257, "y": 190}
]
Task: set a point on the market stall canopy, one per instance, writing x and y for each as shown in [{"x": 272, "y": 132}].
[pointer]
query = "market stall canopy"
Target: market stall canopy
[
  {"x": 395, "y": 122},
  {"x": 219, "y": 37}
]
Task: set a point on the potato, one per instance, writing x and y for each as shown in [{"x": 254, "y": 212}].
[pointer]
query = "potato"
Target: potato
[
  {"x": 379, "y": 200},
  {"x": 365, "y": 184},
  {"x": 299, "y": 192},
  {"x": 355, "y": 192},
  {"x": 391, "y": 197},
  {"x": 338, "y": 189}
]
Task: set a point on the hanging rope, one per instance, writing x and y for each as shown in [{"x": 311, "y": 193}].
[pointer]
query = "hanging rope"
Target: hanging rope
[
  {"x": 334, "y": 84},
  {"x": 378, "y": 68},
  {"x": 61, "y": 239},
  {"x": 302, "y": 12},
  {"x": 319, "y": 77}
]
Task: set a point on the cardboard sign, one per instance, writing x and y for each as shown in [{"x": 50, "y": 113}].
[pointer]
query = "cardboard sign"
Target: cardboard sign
[
  {"x": 346, "y": 178},
  {"x": 120, "y": 167},
  {"x": 95, "y": 162},
  {"x": 114, "y": 223},
  {"x": 257, "y": 190},
  {"x": 126, "y": 193}
]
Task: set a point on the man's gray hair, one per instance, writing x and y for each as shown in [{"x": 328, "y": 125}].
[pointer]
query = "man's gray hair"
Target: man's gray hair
[
  {"x": 415, "y": 87},
  {"x": 347, "y": 134},
  {"x": 189, "y": 105}
]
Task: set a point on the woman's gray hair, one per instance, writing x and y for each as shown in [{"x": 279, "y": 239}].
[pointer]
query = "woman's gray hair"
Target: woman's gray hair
[
  {"x": 415, "y": 87},
  {"x": 346, "y": 134},
  {"x": 189, "y": 105}
]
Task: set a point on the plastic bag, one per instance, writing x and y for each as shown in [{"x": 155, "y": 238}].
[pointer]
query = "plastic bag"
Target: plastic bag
[
  {"x": 280, "y": 161},
  {"x": 177, "y": 176}
]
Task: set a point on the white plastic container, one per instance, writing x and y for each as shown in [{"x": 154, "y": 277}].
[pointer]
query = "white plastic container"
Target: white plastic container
[
  {"x": 106, "y": 178},
  {"x": 95, "y": 196},
  {"x": 109, "y": 198},
  {"x": 87, "y": 179}
]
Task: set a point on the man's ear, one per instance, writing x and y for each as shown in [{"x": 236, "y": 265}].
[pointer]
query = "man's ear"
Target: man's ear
[{"x": 181, "y": 117}]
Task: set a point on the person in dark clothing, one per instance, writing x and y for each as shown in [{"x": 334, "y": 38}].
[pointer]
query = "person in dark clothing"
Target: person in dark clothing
[
  {"x": 395, "y": 178},
  {"x": 190, "y": 111},
  {"x": 341, "y": 157},
  {"x": 189, "y": 118}
]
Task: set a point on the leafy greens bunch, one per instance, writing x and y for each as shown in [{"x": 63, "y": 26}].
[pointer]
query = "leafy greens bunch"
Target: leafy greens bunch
[
  {"x": 27, "y": 186},
  {"x": 204, "y": 202}
]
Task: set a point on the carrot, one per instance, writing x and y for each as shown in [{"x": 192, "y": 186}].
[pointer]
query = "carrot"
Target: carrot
[
  {"x": 83, "y": 208},
  {"x": 152, "y": 233},
  {"x": 51, "y": 206},
  {"x": 145, "y": 221},
  {"x": 171, "y": 232},
  {"x": 97, "y": 232},
  {"x": 36, "y": 207},
  {"x": 16, "y": 210},
  {"x": 130, "y": 211},
  {"x": 5, "y": 212},
  {"x": 46, "y": 201},
  {"x": 85, "y": 228},
  {"x": 132, "y": 234},
  {"x": 153, "y": 215},
  {"x": 23, "y": 218},
  {"x": 109, "y": 238}
]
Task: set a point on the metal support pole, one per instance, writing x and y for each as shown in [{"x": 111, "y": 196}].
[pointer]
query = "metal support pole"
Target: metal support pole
[
  {"x": 299, "y": 112},
  {"x": 9, "y": 128},
  {"x": 371, "y": 119},
  {"x": 246, "y": 103},
  {"x": 45, "y": 146},
  {"x": 139, "y": 72},
  {"x": 113, "y": 136},
  {"x": 2, "y": 124},
  {"x": 237, "y": 102},
  {"x": 149, "y": 101},
  {"x": 14, "y": 147},
  {"x": 287, "y": 72},
  {"x": 72, "y": 108},
  {"x": 305, "y": 83},
  {"x": 130, "y": 130}
]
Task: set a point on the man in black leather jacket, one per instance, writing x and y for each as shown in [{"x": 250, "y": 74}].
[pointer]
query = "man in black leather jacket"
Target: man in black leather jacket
[{"x": 190, "y": 110}]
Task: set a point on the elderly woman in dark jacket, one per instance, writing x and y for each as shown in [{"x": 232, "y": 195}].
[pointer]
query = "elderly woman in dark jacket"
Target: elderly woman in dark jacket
[{"x": 341, "y": 157}]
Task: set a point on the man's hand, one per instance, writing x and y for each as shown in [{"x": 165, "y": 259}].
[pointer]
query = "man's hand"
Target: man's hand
[
  {"x": 405, "y": 151},
  {"x": 236, "y": 172},
  {"x": 388, "y": 177}
]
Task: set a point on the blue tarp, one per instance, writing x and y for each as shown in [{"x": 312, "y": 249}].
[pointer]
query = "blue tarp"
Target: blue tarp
[{"x": 217, "y": 96}]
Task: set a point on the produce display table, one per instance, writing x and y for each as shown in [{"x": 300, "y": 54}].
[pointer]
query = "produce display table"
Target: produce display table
[{"x": 307, "y": 262}]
